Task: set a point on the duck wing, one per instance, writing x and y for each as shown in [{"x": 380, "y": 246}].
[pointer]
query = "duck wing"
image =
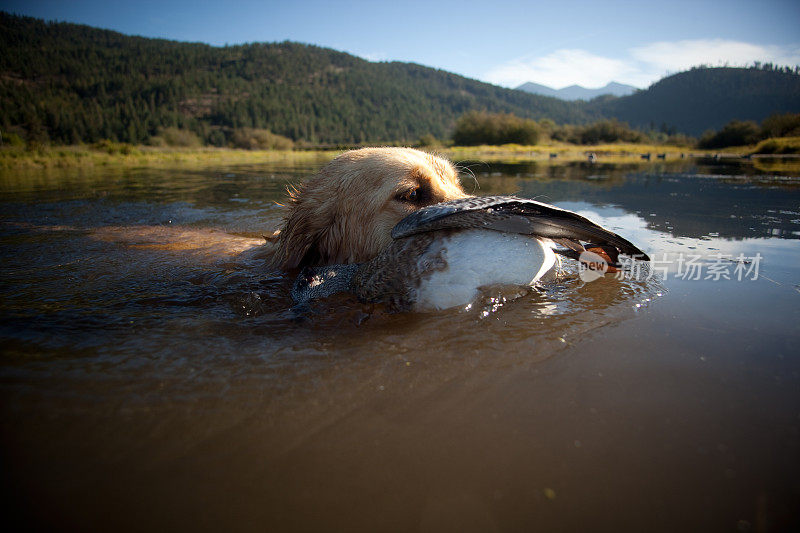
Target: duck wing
[{"x": 511, "y": 214}]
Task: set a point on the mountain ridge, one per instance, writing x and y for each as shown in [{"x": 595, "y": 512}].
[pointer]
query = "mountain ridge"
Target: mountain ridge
[{"x": 577, "y": 92}]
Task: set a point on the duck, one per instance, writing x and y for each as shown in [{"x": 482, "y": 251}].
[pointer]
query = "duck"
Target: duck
[{"x": 442, "y": 255}]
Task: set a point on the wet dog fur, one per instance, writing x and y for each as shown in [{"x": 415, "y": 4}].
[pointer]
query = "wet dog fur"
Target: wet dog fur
[{"x": 345, "y": 213}]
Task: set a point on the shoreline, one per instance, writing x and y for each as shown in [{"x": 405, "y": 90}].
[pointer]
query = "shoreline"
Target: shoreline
[{"x": 16, "y": 158}]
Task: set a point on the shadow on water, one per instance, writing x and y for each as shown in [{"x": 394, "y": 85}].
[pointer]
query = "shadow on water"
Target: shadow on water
[{"x": 154, "y": 373}]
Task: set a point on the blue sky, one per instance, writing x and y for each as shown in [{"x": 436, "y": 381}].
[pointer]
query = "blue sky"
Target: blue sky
[{"x": 506, "y": 42}]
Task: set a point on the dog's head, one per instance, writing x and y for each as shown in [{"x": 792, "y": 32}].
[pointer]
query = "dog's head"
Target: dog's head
[{"x": 345, "y": 214}]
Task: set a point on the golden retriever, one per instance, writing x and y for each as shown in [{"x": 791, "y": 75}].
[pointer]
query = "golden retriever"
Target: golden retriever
[{"x": 345, "y": 214}]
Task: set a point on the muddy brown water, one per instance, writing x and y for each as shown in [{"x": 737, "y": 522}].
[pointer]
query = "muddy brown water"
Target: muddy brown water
[{"x": 154, "y": 376}]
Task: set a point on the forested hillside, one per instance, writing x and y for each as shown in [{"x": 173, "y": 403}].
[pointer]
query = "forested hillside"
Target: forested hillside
[
  {"x": 700, "y": 99},
  {"x": 69, "y": 83}
]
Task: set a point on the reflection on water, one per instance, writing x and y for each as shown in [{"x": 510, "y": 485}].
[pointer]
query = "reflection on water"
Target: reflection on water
[{"x": 154, "y": 375}]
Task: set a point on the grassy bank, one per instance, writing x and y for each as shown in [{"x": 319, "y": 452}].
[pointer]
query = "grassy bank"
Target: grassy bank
[
  {"x": 564, "y": 151},
  {"x": 111, "y": 154},
  {"x": 136, "y": 156},
  {"x": 779, "y": 146}
]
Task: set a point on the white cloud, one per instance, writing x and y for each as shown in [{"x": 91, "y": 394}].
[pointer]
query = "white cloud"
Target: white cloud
[
  {"x": 640, "y": 67},
  {"x": 373, "y": 57},
  {"x": 681, "y": 55},
  {"x": 560, "y": 69}
]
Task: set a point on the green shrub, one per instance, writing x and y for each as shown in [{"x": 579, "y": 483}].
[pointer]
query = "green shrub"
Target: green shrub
[
  {"x": 787, "y": 125},
  {"x": 156, "y": 140},
  {"x": 780, "y": 145},
  {"x": 734, "y": 133},
  {"x": 175, "y": 137},
  {"x": 35, "y": 145},
  {"x": 477, "y": 127},
  {"x": 429, "y": 141},
  {"x": 609, "y": 131},
  {"x": 113, "y": 148},
  {"x": 566, "y": 133},
  {"x": 604, "y": 131},
  {"x": 12, "y": 139},
  {"x": 258, "y": 139},
  {"x": 679, "y": 139}
]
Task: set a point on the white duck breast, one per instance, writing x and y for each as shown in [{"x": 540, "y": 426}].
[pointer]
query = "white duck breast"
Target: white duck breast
[{"x": 476, "y": 258}]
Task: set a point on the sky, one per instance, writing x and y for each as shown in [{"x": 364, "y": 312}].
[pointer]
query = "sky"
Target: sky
[{"x": 506, "y": 42}]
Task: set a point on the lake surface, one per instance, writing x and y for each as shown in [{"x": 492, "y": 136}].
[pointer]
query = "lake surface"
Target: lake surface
[{"x": 154, "y": 376}]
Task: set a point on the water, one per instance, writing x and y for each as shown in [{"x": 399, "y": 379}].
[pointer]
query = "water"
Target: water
[{"x": 153, "y": 375}]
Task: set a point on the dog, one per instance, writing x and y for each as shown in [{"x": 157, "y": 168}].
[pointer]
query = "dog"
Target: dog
[{"x": 346, "y": 212}]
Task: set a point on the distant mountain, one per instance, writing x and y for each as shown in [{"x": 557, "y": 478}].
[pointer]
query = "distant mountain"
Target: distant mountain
[
  {"x": 542, "y": 90},
  {"x": 576, "y": 92},
  {"x": 704, "y": 98},
  {"x": 72, "y": 83}
]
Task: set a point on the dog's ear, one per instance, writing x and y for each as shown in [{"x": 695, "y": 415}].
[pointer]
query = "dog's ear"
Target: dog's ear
[{"x": 306, "y": 235}]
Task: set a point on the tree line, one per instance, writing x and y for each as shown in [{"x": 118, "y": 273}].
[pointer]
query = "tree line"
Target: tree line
[
  {"x": 745, "y": 132},
  {"x": 479, "y": 127}
]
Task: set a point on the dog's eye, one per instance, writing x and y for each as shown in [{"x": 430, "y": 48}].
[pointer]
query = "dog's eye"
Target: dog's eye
[{"x": 411, "y": 195}]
